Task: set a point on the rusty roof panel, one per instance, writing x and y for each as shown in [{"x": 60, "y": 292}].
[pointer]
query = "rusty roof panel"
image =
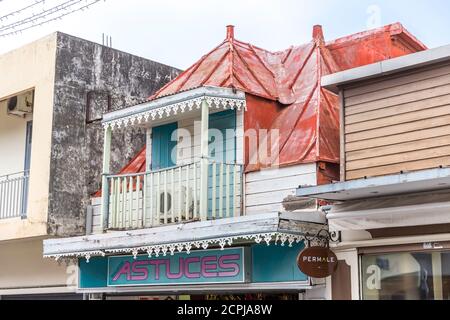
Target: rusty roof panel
[{"x": 289, "y": 82}]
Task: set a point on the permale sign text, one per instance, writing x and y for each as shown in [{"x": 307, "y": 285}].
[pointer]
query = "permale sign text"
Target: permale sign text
[
  {"x": 207, "y": 266},
  {"x": 317, "y": 262}
]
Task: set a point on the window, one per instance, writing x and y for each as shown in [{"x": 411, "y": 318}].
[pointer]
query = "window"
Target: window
[
  {"x": 406, "y": 276},
  {"x": 97, "y": 103}
]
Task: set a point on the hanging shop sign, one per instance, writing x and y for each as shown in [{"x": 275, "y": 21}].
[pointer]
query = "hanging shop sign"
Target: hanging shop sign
[
  {"x": 206, "y": 266},
  {"x": 317, "y": 262}
]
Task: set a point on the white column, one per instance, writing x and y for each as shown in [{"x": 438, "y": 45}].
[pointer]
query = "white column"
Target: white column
[
  {"x": 148, "y": 150},
  {"x": 106, "y": 171},
  {"x": 148, "y": 168},
  {"x": 204, "y": 126}
]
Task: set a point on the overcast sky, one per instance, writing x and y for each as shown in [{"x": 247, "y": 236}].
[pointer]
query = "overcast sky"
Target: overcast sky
[{"x": 179, "y": 32}]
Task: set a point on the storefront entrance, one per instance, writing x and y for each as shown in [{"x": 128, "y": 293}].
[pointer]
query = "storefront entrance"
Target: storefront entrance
[
  {"x": 212, "y": 297},
  {"x": 255, "y": 272}
]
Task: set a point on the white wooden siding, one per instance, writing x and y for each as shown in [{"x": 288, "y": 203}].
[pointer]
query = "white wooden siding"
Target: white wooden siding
[
  {"x": 96, "y": 215},
  {"x": 266, "y": 190}
]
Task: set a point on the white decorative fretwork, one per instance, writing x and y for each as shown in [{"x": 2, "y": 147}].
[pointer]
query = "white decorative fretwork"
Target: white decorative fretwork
[
  {"x": 275, "y": 238},
  {"x": 174, "y": 109},
  {"x": 87, "y": 255}
]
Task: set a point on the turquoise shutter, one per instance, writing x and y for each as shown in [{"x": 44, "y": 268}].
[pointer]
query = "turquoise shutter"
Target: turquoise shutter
[
  {"x": 221, "y": 151},
  {"x": 162, "y": 146},
  {"x": 225, "y": 150}
]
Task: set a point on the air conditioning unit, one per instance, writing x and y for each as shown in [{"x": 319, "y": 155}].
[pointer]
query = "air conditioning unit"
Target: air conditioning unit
[
  {"x": 21, "y": 105},
  {"x": 175, "y": 206}
]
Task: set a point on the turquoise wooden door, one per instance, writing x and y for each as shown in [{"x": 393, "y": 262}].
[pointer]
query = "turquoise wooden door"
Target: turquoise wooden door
[
  {"x": 162, "y": 146},
  {"x": 222, "y": 144},
  {"x": 222, "y": 149}
]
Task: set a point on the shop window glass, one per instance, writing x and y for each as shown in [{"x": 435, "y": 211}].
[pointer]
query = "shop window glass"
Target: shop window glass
[{"x": 406, "y": 276}]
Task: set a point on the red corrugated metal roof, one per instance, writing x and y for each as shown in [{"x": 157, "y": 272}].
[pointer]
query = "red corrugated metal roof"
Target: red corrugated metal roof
[
  {"x": 273, "y": 75},
  {"x": 307, "y": 115}
]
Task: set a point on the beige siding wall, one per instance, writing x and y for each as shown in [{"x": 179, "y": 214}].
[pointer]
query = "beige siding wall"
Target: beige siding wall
[
  {"x": 24, "y": 270},
  {"x": 398, "y": 124}
]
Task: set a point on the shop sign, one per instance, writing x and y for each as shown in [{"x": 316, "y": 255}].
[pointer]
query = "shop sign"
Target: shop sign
[
  {"x": 198, "y": 267},
  {"x": 317, "y": 262}
]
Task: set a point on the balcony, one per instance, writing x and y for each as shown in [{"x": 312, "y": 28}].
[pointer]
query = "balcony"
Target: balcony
[
  {"x": 191, "y": 161},
  {"x": 14, "y": 195},
  {"x": 172, "y": 196}
]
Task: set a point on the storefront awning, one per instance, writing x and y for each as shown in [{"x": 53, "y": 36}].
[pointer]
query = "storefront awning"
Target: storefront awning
[
  {"x": 403, "y": 183},
  {"x": 274, "y": 228},
  {"x": 421, "y": 209}
]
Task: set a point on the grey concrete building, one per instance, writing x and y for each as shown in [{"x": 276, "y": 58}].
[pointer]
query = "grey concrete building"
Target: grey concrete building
[{"x": 53, "y": 93}]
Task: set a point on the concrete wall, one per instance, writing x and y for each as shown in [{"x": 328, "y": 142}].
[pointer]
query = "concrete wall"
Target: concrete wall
[
  {"x": 31, "y": 66},
  {"x": 85, "y": 69}
]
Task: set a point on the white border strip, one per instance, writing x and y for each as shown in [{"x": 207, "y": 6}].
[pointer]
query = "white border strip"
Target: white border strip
[
  {"x": 218, "y": 98},
  {"x": 276, "y": 238}
]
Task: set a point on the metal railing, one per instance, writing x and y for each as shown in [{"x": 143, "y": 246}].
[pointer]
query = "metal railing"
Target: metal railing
[
  {"x": 14, "y": 195},
  {"x": 172, "y": 195}
]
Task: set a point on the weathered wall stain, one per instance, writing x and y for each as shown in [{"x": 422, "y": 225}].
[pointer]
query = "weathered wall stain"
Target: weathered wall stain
[{"x": 77, "y": 141}]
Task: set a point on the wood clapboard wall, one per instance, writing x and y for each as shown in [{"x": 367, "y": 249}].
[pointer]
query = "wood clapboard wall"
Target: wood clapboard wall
[{"x": 398, "y": 124}]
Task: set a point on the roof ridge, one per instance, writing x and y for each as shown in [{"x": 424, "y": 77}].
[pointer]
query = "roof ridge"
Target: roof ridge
[
  {"x": 271, "y": 69},
  {"x": 300, "y": 70},
  {"x": 198, "y": 64},
  {"x": 367, "y": 33},
  {"x": 157, "y": 93},
  {"x": 213, "y": 70},
  {"x": 252, "y": 73},
  {"x": 261, "y": 60},
  {"x": 256, "y": 47},
  {"x": 231, "y": 62}
]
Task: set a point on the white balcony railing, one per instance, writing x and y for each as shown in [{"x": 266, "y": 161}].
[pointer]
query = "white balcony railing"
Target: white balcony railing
[
  {"x": 13, "y": 195},
  {"x": 173, "y": 196}
]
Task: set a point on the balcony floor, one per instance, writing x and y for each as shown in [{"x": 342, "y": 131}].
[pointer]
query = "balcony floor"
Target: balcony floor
[{"x": 213, "y": 231}]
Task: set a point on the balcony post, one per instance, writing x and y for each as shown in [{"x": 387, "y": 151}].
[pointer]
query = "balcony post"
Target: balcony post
[
  {"x": 204, "y": 127},
  {"x": 106, "y": 171},
  {"x": 148, "y": 168}
]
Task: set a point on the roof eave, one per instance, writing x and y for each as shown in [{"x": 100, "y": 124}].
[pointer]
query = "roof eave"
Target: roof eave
[
  {"x": 178, "y": 98},
  {"x": 429, "y": 57},
  {"x": 402, "y": 183}
]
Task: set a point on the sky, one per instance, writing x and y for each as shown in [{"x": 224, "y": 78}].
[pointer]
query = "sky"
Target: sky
[{"x": 179, "y": 32}]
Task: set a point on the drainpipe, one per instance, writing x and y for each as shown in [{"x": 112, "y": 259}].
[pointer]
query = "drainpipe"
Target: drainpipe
[
  {"x": 204, "y": 162},
  {"x": 106, "y": 171}
]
